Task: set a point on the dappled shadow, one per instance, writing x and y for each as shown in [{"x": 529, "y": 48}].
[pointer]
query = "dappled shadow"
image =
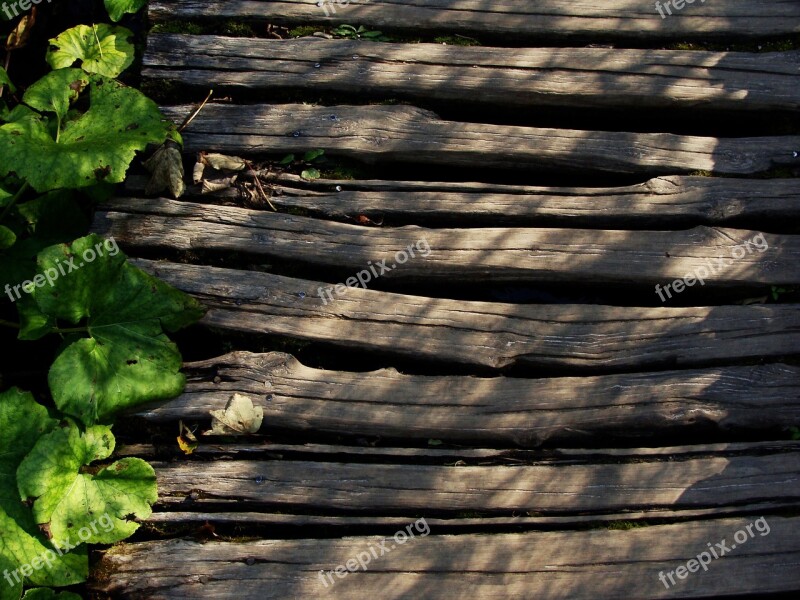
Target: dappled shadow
[{"x": 624, "y": 374}]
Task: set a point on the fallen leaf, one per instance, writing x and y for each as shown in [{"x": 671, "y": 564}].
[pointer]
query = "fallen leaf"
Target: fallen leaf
[
  {"x": 222, "y": 162},
  {"x": 186, "y": 439},
  {"x": 239, "y": 417},
  {"x": 166, "y": 166}
]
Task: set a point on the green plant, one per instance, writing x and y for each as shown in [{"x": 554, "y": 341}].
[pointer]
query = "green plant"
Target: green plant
[
  {"x": 350, "y": 32},
  {"x": 70, "y": 135},
  {"x": 309, "y": 157}
]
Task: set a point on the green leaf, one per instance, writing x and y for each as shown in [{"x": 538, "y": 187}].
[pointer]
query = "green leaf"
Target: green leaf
[
  {"x": 310, "y": 174},
  {"x": 117, "y": 8},
  {"x": 7, "y": 237},
  {"x": 56, "y": 91},
  {"x": 79, "y": 506},
  {"x": 127, "y": 360},
  {"x": 287, "y": 159},
  {"x": 23, "y": 422},
  {"x": 10, "y": 589},
  {"x": 49, "y": 594},
  {"x": 4, "y": 80},
  {"x": 96, "y": 147},
  {"x": 102, "y": 49},
  {"x": 312, "y": 155}
]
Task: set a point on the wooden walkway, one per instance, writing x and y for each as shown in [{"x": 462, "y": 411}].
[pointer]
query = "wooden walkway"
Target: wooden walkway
[{"x": 517, "y": 408}]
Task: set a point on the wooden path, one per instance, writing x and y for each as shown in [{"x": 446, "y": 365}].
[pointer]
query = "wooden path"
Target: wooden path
[{"x": 500, "y": 354}]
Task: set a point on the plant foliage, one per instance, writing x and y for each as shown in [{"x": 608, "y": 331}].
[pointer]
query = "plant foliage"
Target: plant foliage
[{"x": 63, "y": 141}]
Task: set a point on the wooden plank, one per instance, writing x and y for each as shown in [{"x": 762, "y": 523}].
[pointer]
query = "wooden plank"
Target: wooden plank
[
  {"x": 611, "y": 19},
  {"x": 409, "y": 134},
  {"x": 574, "y": 565},
  {"x": 524, "y": 412},
  {"x": 489, "y": 334},
  {"x": 660, "y": 203},
  {"x": 653, "y": 483},
  {"x": 516, "y": 77},
  {"x": 720, "y": 257}
]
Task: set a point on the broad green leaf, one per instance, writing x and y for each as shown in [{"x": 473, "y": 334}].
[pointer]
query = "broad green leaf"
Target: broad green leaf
[
  {"x": 7, "y": 237},
  {"x": 287, "y": 159},
  {"x": 4, "y": 80},
  {"x": 49, "y": 594},
  {"x": 310, "y": 174},
  {"x": 10, "y": 587},
  {"x": 127, "y": 358},
  {"x": 22, "y": 423},
  {"x": 56, "y": 91},
  {"x": 80, "y": 506},
  {"x": 97, "y": 147},
  {"x": 117, "y": 8},
  {"x": 102, "y": 49}
]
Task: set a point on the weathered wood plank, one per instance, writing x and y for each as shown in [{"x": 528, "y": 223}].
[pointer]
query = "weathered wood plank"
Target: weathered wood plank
[
  {"x": 611, "y": 19},
  {"x": 547, "y": 488},
  {"x": 720, "y": 257},
  {"x": 574, "y": 565},
  {"x": 486, "y": 333},
  {"x": 517, "y": 77},
  {"x": 409, "y": 134},
  {"x": 520, "y": 411},
  {"x": 660, "y": 203}
]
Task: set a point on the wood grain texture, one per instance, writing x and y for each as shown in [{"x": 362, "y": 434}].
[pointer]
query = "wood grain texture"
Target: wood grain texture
[
  {"x": 660, "y": 203},
  {"x": 486, "y": 333},
  {"x": 574, "y": 565},
  {"x": 548, "y": 488},
  {"x": 585, "y": 19},
  {"x": 409, "y": 134},
  {"x": 720, "y": 257},
  {"x": 525, "y": 412},
  {"x": 515, "y": 77}
]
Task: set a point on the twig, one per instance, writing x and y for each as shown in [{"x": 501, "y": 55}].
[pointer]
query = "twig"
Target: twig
[
  {"x": 191, "y": 117},
  {"x": 258, "y": 184}
]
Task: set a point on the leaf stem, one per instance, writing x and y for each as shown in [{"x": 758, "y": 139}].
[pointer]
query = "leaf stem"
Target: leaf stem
[
  {"x": 13, "y": 201},
  {"x": 69, "y": 329},
  {"x": 11, "y": 324}
]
